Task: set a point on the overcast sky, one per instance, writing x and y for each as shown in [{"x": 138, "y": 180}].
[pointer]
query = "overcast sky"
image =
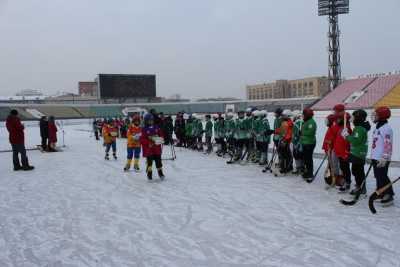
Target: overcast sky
[{"x": 205, "y": 48}]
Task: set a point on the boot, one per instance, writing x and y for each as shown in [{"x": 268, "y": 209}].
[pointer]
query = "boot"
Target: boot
[
  {"x": 28, "y": 168},
  {"x": 387, "y": 200},
  {"x": 115, "y": 155},
  {"x": 161, "y": 174},
  {"x": 136, "y": 164},
  {"x": 128, "y": 165},
  {"x": 149, "y": 173},
  {"x": 17, "y": 167},
  {"x": 107, "y": 157}
]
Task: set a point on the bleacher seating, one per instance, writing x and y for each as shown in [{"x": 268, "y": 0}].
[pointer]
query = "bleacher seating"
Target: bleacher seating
[
  {"x": 375, "y": 91},
  {"x": 60, "y": 112},
  {"x": 341, "y": 93},
  {"x": 4, "y": 112}
]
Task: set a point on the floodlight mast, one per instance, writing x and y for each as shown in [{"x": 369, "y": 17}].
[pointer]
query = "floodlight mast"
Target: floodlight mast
[{"x": 332, "y": 9}]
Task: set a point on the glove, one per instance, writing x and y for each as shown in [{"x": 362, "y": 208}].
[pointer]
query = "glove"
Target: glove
[
  {"x": 345, "y": 133},
  {"x": 381, "y": 163}
]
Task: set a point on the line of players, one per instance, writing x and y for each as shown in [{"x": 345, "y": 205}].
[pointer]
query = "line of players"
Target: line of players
[{"x": 248, "y": 137}]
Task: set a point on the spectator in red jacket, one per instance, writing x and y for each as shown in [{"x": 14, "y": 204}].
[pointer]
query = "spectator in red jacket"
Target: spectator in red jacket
[
  {"x": 52, "y": 134},
  {"x": 151, "y": 140},
  {"x": 17, "y": 141}
]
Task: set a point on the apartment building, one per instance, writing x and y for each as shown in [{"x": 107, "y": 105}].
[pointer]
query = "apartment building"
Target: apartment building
[{"x": 300, "y": 88}]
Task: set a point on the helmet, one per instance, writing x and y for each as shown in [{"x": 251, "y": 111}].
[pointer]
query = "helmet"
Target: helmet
[
  {"x": 264, "y": 113},
  {"x": 287, "y": 113},
  {"x": 330, "y": 120},
  {"x": 339, "y": 108},
  {"x": 229, "y": 115},
  {"x": 278, "y": 111},
  {"x": 249, "y": 110},
  {"x": 382, "y": 113},
  {"x": 185, "y": 116},
  {"x": 360, "y": 115},
  {"x": 256, "y": 113},
  {"x": 148, "y": 117},
  {"x": 308, "y": 113}
]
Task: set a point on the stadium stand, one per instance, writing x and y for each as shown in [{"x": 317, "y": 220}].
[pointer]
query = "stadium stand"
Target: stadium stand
[
  {"x": 392, "y": 99},
  {"x": 106, "y": 111},
  {"x": 375, "y": 92},
  {"x": 4, "y": 112},
  {"x": 58, "y": 111},
  {"x": 342, "y": 92}
]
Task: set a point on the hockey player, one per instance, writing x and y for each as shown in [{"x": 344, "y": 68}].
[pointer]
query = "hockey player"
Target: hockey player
[
  {"x": 133, "y": 135},
  {"x": 308, "y": 141},
  {"x": 151, "y": 141},
  {"x": 358, "y": 149},
  {"x": 240, "y": 135},
  {"x": 277, "y": 126},
  {"x": 219, "y": 134},
  {"x": 250, "y": 145},
  {"x": 229, "y": 130},
  {"x": 297, "y": 148},
  {"x": 341, "y": 147},
  {"x": 179, "y": 129},
  {"x": 285, "y": 132},
  {"x": 263, "y": 135},
  {"x": 198, "y": 132},
  {"x": 189, "y": 132},
  {"x": 381, "y": 154},
  {"x": 110, "y": 133},
  {"x": 208, "y": 133},
  {"x": 333, "y": 165}
]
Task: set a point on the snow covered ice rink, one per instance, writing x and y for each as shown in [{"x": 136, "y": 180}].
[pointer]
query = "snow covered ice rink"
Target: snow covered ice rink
[{"x": 75, "y": 209}]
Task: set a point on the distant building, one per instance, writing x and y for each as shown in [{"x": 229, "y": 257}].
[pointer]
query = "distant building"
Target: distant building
[
  {"x": 300, "y": 88},
  {"x": 29, "y": 92},
  {"x": 87, "y": 88}
]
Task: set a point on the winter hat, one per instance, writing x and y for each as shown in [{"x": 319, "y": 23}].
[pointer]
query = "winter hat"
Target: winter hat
[{"x": 14, "y": 112}]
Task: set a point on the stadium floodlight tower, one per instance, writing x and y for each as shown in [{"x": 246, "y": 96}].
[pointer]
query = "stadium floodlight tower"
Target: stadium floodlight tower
[{"x": 332, "y": 9}]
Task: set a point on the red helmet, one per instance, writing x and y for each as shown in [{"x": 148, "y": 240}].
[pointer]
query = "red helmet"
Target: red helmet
[
  {"x": 339, "y": 108},
  {"x": 308, "y": 112},
  {"x": 383, "y": 113}
]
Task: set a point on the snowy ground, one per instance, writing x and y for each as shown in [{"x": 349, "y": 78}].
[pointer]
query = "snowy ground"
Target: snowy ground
[{"x": 75, "y": 209}]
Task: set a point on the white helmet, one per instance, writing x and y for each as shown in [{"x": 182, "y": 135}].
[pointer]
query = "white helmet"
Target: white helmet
[
  {"x": 185, "y": 116},
  {"x": 229, "y": 115},
  {"x": 256, "y": 113},
  {"x": 297, "y": 114},
  {"x": 264, "y": 113},
  {"x": 248, "y": 110},
  {"x": 287, "y": 113}
]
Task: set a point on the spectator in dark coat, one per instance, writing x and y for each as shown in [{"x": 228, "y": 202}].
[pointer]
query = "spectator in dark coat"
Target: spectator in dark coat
[
  {"x": 179, "y": 129},
  {"x": 17, "y": 141},
  {"x": 44, "y": 131}
]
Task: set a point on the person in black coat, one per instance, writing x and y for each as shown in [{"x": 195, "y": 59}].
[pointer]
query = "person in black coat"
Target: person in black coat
[{"x": 44, "y": 131}]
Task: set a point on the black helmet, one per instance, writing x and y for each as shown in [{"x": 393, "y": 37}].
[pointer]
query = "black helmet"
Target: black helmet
[
  {"x": 279, "y": 111},
  {"x": 360, "y": 115}
]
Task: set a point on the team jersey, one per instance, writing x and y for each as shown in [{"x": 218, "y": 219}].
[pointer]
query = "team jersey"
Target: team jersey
[
  {"x": 133, "y": 135},
  {"x": 382, "y": 143}
]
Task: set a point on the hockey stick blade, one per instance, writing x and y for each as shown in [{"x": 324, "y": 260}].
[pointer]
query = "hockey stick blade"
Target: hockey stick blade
[{"x": 377, "y": 193}]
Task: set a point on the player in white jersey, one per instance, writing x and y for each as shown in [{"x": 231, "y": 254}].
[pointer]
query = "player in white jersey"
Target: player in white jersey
[{"x": 381, "y": 152}]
